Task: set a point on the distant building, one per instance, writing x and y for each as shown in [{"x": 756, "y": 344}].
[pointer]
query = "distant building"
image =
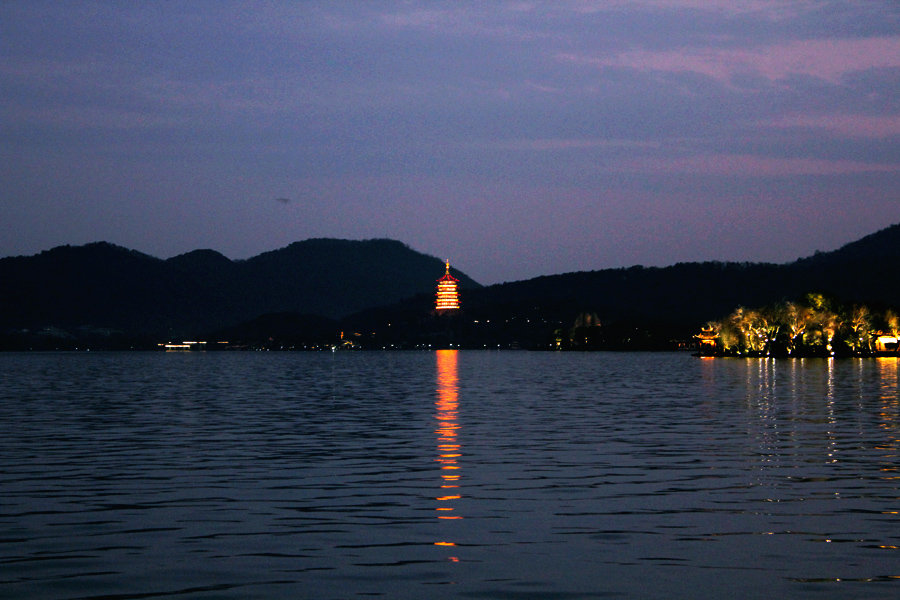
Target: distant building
[
  {"x": 183, "y": 346},
  {"x": 447, "y": 291},
  {"x": 708, "y": 340},
  {"x": 887, "y": 344}
]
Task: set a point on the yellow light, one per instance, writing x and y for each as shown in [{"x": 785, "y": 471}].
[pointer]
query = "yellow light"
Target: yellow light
[
  {"x": 447, "y": 291},
  {"x": 448, "y": 447}
]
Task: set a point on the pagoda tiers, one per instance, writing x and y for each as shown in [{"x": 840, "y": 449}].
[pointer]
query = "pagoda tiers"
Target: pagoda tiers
[{"x": 447, "y": 291}]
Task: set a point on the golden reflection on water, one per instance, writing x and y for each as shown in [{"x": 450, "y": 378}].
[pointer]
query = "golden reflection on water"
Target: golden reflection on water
[
  {"x": 760, "y": 398},
  {"x": 815, "y": 397},
  {"x": 887, "y": 374},
  {"x": 448, "y": 447},
  {"x": 889, "y": 414}
]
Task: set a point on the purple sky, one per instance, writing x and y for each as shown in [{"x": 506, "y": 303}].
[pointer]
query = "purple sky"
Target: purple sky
[{"x": 515, "y": 138}]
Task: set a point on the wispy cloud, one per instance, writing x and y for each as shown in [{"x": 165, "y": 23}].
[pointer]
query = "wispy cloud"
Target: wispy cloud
[
  {"x": 746, "y": 165},
  {"x": 773, "y": 9},
  {"x": 826, "y": 59},
  {"x": 541, "y": 145},
  {"x": 845, "y": 125},
  {"x": 523, "y": 108}
]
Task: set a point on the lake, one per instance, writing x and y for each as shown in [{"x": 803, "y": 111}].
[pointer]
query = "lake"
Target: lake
[{"x": 449, "y": 474}]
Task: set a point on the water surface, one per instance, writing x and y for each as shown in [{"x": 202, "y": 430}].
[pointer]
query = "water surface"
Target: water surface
[{"x": 447, "y": 475}]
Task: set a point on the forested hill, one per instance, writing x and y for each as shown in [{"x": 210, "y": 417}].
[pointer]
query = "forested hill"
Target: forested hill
[
  {"x": 686, "y": 295},
  {"x": 101, "y": 286},
  {"x": 381, "y": 292}
]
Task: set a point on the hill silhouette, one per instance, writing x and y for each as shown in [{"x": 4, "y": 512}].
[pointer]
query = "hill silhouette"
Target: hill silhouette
[
  {"x": 101, "y": 289},
  {"x": 648, "y": 307},
  {"x": 864, "y": 271},
  {"x": 381, "y": 292}
]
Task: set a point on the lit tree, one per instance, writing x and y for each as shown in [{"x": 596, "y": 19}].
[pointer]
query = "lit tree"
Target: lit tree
[
  {"x": 738, "y": 324},
  {"x": 824, "y": 324},
  {"x": 815, "y": 326},
  {"x": 859, "y": 334},
  {"x": 728, "y": 335},
  {"x": 892, "y": 322},
  {"x": 755, "y": 326},
  {"x": 796, "y": 319},
  {"x": 825, "y": 327},
  {"x": 750, "y": 331},
  {"x": 759, "y": 331}
]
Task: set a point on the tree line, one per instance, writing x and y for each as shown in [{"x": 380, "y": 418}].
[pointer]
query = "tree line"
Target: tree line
[{"x": 815, "y": 326}]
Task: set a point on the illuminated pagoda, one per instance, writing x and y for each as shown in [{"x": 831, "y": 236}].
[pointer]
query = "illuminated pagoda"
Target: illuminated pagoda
[
  {"x": 708, "y": 339},
  {"x": 447, "y": 291}
]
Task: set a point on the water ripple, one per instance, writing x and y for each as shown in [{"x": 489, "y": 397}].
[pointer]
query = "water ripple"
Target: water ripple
[{"x": 473, "y": 474}]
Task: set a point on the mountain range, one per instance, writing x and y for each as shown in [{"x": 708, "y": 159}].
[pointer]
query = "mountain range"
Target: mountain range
[
  {"x": 865, "y": 271},
  {"x": 101, "y": 289},
  {"x": 382, "y": 292},
  {"x": 645, "y": 308}
]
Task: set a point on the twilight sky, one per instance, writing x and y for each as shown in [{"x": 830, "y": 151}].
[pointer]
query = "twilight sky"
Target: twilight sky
[{"x": 515, "y": 138}]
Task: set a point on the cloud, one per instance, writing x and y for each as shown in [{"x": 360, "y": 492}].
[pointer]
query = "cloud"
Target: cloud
[
  {"x": 826, "y": 59},
  {"x": 747, "y": 165},
  {"x": 529, "y": 109},
  {"x": 541, "y": 145},
  {"x": 772, "y": 9},
  {"x": 845, "y": 125}
]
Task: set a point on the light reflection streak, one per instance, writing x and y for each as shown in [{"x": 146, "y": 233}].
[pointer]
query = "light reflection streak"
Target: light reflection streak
[
  {"x": 448, "y": 446},
  {"x": 889, "y": 414},
  {"x": 760, "y": 397},
  {"x": 830, "y": 416},
  {"x": 817, "y": 413}
]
